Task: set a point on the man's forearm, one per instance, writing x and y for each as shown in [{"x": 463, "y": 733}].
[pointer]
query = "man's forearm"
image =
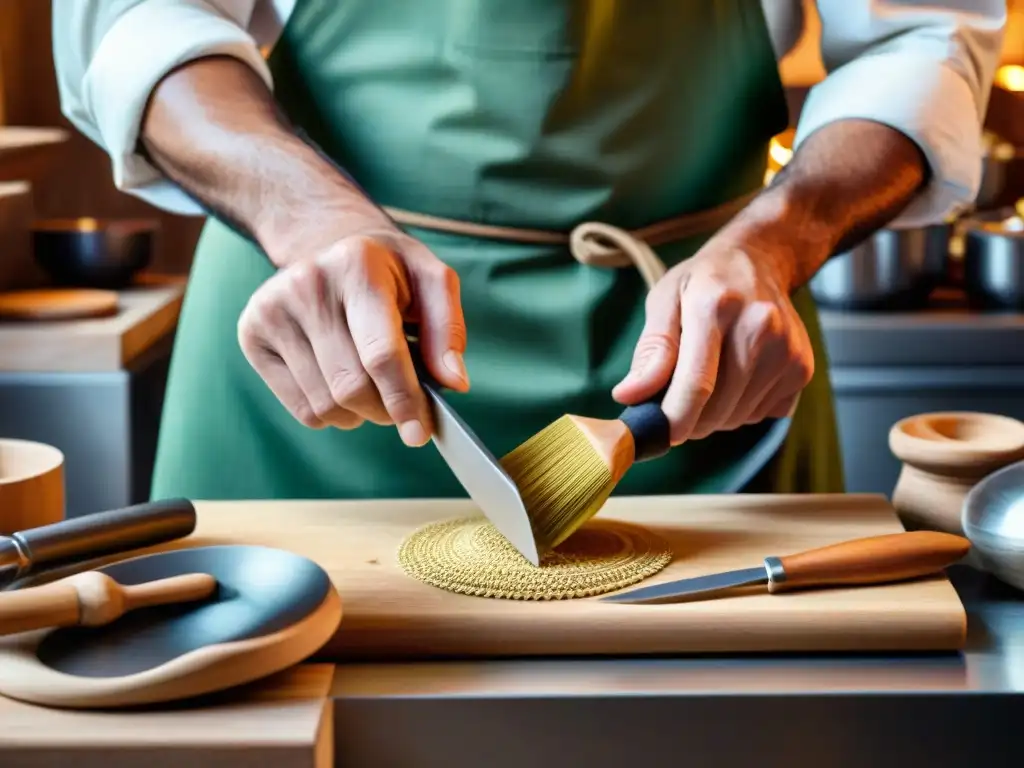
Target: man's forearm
[
  {"x": 847, "y": 180},
  {"x": 214, "y": 129}
]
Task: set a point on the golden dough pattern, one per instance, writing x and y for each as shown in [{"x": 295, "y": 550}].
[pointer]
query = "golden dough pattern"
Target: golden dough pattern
[{"x": 469, "y": 556}]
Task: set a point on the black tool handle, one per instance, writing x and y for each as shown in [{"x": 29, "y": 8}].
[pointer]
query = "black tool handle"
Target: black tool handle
[
  {"x": 652, "y": 434},
  {"x": 416, "y": 353},
  {"x": 104, "y": 533}
]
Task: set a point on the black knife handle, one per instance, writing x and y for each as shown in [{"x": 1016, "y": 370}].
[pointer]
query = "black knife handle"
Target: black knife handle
[
  {"x": 416, "y": 353},
  {"x": 104, "y": 533},
  {"x": 652, "y": 433}
]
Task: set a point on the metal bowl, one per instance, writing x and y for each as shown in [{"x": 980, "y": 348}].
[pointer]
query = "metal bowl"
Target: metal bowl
[
  {"x": 895, "y": 269},
  {"x": 993, "y": 519},
  {"x": 93, "y": 253},
  {"x": 993, "y": 260},
  {"x": 999, "y": 155}
]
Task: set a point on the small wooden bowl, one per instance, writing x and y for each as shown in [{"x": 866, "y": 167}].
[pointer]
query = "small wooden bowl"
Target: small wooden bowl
[
  {"x": 944, "y": 455},
  {"x": 31, "y": 485},
  {"x": 94, "y": 253}
]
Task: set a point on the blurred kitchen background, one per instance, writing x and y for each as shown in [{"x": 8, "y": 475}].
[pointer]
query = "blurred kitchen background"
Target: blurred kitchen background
[{"x": 915, "y": 321}]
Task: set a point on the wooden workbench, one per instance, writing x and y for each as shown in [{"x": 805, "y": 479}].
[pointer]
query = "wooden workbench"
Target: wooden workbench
[{"x": 286, "y": 721}]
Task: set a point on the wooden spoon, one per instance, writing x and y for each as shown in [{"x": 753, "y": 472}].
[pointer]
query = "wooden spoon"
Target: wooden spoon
[{"x": 92, "y": 599}]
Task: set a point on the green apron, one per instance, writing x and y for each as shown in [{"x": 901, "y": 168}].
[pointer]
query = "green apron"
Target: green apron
[{"x": 530, "y": 113}]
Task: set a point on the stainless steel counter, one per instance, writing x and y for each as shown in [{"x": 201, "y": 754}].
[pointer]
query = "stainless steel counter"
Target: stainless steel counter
[
  {"x": 885, "y": 367},
  {"x": 830, "y": 711}
]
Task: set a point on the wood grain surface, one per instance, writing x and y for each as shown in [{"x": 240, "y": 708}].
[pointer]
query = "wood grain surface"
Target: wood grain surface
[
  {"x": 286, "y": 721},
  {"x": 147, "y": 312},
  {"x": 389, "y": 615}
]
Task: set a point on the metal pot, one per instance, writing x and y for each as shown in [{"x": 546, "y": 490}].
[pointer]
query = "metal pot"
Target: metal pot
[
  {"x": 994, "y": 260},
  {"x": 894, "y": 269},
  {"x": 999, "y": 154}
]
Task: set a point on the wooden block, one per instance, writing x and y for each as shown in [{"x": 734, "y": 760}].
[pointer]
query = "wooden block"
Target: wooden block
[
  {"x": 147, "y": 312},
  {"x": 286, "y": 721},
  {"x": 17, "y": 267}
]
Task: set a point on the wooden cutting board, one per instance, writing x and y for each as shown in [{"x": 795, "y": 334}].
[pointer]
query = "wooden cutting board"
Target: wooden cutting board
[{"x": 389, "y": 615}]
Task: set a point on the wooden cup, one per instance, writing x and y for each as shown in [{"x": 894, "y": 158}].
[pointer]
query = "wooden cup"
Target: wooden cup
[
  {"x": 944, "y": 455},
  {"x": 31, "y": 485}
]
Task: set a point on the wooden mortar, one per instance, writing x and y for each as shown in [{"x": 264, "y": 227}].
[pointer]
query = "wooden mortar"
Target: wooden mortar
[
  {"x": 944, "y": 455},
  {"x": 31, "y": 485}
]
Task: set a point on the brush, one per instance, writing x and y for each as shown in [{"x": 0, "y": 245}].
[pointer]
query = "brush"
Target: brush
[{"x": 566, "y": 472}]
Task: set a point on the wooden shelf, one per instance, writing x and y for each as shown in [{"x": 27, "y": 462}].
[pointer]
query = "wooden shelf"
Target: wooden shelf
[
  {"x": 29, "y": 153},
  {"x": 148, "y": 311}
]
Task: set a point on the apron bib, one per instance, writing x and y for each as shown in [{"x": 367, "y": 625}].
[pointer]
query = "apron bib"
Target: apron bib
[{"x": 533, "y": 114}]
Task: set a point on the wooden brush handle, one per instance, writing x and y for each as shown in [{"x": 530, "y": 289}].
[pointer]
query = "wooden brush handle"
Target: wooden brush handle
[
  {"x": 874, "y": 560},
  {"x": 92, "y": 599},
  {"x": 652, "y": 434}
]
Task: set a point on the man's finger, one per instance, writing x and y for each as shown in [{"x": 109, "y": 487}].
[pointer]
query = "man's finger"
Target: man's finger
[
  {"x": 375, "y": 323},
  {"x": 657, "y": 348},
  {"x": 279, "y": 380},
  {"x": 442, "y": 330},
  {"x": 756, "y": 349},
  {"x": 696, "y": 372},
  {"x": 312, "y": 301},
  {"x": 350, "y": 386}
]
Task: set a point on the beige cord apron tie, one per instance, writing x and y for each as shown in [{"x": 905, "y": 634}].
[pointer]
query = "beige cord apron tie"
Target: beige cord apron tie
[{"x": 593, "y": 243}]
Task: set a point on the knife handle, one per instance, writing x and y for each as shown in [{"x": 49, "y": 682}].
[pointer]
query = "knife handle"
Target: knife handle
[{"x": 873, "y": 560}]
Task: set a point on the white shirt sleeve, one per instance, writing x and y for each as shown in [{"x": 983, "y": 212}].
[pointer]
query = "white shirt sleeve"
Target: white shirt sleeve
[
  {"x": 109, "y": 55},
  {"x": 922, "y": 67}
]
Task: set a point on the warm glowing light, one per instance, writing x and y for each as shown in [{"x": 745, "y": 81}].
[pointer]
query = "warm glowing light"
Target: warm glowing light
[
  {"x": 87, "y": 225},
  {"x": 780, "y": 152},
  {"x": 1010, "y": 77}
]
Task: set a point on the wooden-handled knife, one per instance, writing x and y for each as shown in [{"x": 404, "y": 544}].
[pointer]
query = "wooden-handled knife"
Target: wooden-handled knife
[{"x": 873, "y": 560}]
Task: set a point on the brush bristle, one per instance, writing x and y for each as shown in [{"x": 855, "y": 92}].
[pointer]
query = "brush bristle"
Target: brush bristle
[{"x": 562, "y": 478}]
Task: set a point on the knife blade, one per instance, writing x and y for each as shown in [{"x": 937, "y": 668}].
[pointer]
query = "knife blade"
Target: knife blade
[
  {"x": 872, "y": 560},
  {"x": 475, "y": 467}
]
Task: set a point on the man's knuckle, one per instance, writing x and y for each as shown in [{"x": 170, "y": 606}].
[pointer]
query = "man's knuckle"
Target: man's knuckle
[
  {"x": 456, "y": 335},
  {"x": 349, "y": 386},
  {"x": 655, "y": 342},
  {"x": 400, "y": 403},
  {"x": 323, "y": 408},
  {"x": 701, "y": 389},
  {"x": 765, "y": 320},
  {"x": 305, "y": 414},
  {"x": 803, "y": 368},
  {"x": 267, "y": 310},
  {"x": 380, "y": 353}
]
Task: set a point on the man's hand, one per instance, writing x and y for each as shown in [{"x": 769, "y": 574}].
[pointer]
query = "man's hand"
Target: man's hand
[
  {"x": 326, "y": 333},
  {"x": 721, "y": 328},
  {"x": 721, "y": 331}
]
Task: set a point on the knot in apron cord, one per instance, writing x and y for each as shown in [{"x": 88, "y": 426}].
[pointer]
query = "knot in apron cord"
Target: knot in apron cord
[
  {"x": 593, "y": 243},
  {"x": 601, "y": 245}
]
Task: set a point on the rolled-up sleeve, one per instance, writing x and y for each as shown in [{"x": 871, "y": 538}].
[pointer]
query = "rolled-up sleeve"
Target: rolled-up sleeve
[
  {"x": 922, "y": 67},
  {"x": 109, "y": 55}
]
